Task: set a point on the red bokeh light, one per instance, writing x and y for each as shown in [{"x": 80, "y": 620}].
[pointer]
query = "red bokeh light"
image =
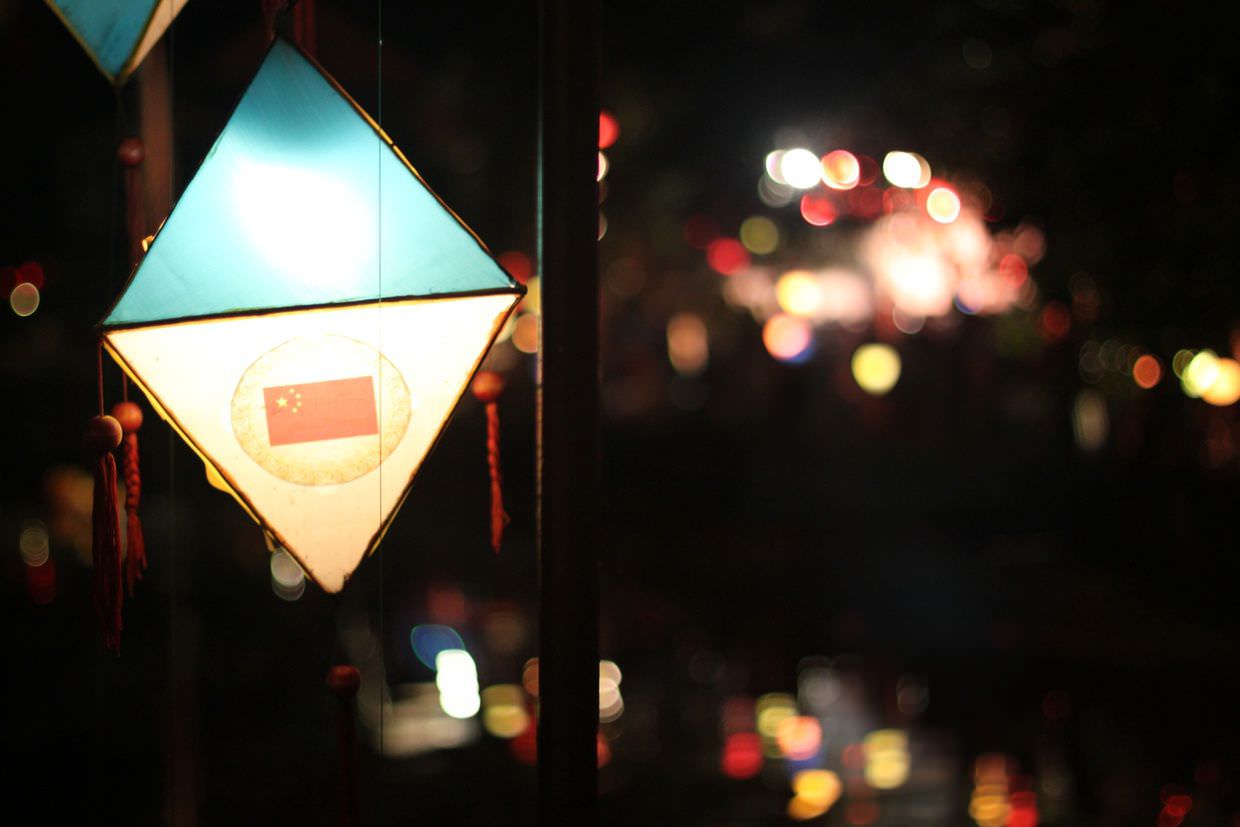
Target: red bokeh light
[
  {"x": 1147, "y": 371},
  {"x": 1055, "y": 322},
  {"x": 517, "y": 264},
  {"x": 1013, "y": 270},
  {"x": 742, "y": 755},
  {"x": 608, "y": 129},
  {"x": 865, "y": 202},
  {"x": 727, "y": 256},
  {"x": 818, "y": 209},
  {"x": 869, "y": 170}
]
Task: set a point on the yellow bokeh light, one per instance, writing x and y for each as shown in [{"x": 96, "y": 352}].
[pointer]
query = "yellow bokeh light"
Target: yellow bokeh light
[
  {"x": 876, "y": 368},
  {"x": 943, "y": 205},
  {"x": 799, "y": 737},
  {"x": 799, "y": 293},
  {"x": 503, "y": 710},
  {"x": 1200, "y": 373},
  {"x": 821, "y": 786},
  {"x": 1225, "y": 389},
  {"x": 802, "y": 809},
  {"x": 759, "y": 235},
  {"x": 24, "y": 299}
]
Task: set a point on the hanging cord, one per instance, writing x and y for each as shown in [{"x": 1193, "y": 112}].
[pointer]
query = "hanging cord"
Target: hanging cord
[
  {"x": 343, "y": 683},
  {"x": 103, "y": 435},
  {"x": 487, "y": 387},
  {"x": 131, "y": 154}
]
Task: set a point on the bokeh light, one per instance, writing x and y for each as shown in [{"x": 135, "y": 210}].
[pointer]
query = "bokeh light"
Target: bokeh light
[
  {"x": 742, "y": 755},
  {"x": 1147, "y": 371},
  {"x": 503, "y": 711},
  {"x": 799, "y": 737},
  {"x": 288, "y": 581},
  {"x": 818, "y": 209},
  {"x": 759, "y": 235},
  {"x": 608, "y": 129},
  {"x": 876, "y": 368},
  {"x": 1225, "y": 389},
  {"x": 456, "y": 677},
  {"x": 428, "y": 640},
  {"x": 943, "y": 205},
  {"x": 799, "y": 168},
  {"x": 727, "y": 256},
  {"x": 688, "y": 345},
  {"x": 1200, "y": 373},
  {"x": 603, "y": 166},
  {"x": 840, "y": 170},
  {"x": 787, "y": 337},
  {"x": 906, "y": 169},
  {"x": 33, "y": 544},
  {"x": 525, "y": 334},
  {"x": 886, "y": 758},
  {"x": 799, "y": 292},
  {"x": 24, "y": 300}
]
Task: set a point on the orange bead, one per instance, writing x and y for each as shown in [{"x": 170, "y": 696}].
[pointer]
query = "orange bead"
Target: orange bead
[
  {"x": 487, "y": 385},
  {"x": 129, "y": 415},
  {"x": 343, "y": 681}
]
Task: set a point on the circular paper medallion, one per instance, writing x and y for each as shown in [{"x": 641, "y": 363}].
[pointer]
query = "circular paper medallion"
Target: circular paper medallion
[{"x": 320, "y": 410}]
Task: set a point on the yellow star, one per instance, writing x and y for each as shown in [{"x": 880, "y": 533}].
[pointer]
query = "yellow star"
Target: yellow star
[{"x": 282, "y": 402}]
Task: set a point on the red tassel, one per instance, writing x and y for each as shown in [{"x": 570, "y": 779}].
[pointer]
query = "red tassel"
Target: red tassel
[
  {"x": 343, "y": 682},
  {"x": 129, "y": 415},
  {"x": 487, "y": 386},
  {"x": 103, "y": 434}
]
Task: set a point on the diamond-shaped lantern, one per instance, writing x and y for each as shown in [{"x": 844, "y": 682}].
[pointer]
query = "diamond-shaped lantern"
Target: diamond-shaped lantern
[
  {"x": 117, "y": 34},
  {"x": 308, "y": 316}
]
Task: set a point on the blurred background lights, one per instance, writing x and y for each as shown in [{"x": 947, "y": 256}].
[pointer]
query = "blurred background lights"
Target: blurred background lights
[
  {"x": 525, "y": 333},
  {"x": 1225, "y": 389},
  {"x": 818, "y": 209},
  {"x": 799, "y": 292},
  {"x": 742, "y": 755},
  {"x": 603, "y": 166},
  {"x": 727, "y": 256},
  {"x": 773, "y": 164},
  {"x": 428, "y": 640},
  {"x": 1090, "y": 422},
  {"x": 800, "y": 168},
  {"x": 608, "y": 129},
  {"x": 787, "y": 337},
  {"x": 943, "y": 205},
  {"x": 24, "y": 300},
  {"x": 840, "y": 170},
  {"x": 33, "y": 544},
  {"x": 503, "y": 710},
  {"x": 906, "y": 169},
  {"x": 886, "y": 758},
  {"x": 814, "y": 792},
  {"x": 876, "y": 368},
  {"x": 799, "y": 737},
  {"x": 456, "y": 677},
  {"x": 1147, "y": 371},
  {"x": 610, "y": 703},
  {"x": 288, "y": 581},
  {"x": 759, "y": 235},
  {"x": 688, "y": 345},
  {"x": 1200, "y": 372}
]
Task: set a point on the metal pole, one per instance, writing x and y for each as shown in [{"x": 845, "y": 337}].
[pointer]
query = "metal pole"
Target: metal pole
[{"x": 568, "y": 414}]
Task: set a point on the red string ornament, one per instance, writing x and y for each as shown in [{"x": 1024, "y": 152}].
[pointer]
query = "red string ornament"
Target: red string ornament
[
  {"x": 129, "y": 415},
  {"x": 487, "y": 387},
  {"x": 103, "y": 435}
]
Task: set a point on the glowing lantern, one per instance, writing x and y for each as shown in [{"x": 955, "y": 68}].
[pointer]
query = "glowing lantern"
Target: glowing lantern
[
  {"x": 117, "y": 34},
  {"x": 308, "y": 317}
]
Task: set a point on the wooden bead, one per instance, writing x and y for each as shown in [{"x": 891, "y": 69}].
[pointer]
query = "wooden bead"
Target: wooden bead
[
  {"x": 131, "y": 152},
  {"x": 487, "y": 385},
  {"x": 343, "y": 681},
  {"x": 129, "y": 415},
  {"x": 103, "y": 434}
]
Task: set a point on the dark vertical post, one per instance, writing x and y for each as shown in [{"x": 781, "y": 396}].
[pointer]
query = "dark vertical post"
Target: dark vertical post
[
  {"x": 568, "y": 413},
  {"x": 343, "y": 682}
]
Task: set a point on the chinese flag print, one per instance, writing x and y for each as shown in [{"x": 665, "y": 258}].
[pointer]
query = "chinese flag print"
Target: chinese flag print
[{"x": 315, "y": 411}]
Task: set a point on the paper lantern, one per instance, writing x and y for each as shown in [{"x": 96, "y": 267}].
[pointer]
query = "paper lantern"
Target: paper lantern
[
  {"x": 117, "y": 34},
  {"x": 308, "y": 316}
]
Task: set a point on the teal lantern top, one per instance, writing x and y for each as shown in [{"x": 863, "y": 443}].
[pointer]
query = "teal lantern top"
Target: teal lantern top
[
  {"x": 303, "y": 201},
  {"x": 117, "y": 34}
]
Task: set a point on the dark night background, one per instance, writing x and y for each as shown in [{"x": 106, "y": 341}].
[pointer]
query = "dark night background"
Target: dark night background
[{"x": 1071, "y": 607}]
